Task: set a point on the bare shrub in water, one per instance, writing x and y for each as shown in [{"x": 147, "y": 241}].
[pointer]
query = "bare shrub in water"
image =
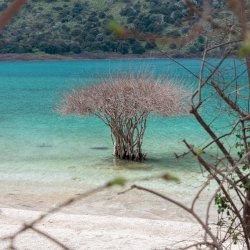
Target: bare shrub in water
[{"x": 124, "y": 103}]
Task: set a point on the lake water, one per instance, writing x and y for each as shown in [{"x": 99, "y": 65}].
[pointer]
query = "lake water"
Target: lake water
[{"x": 40, "y": 145}]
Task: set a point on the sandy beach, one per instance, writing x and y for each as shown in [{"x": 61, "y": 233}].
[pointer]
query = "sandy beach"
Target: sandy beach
[
  {"x": 106, "y": 220},
  {"x": 98, "y": 232}
]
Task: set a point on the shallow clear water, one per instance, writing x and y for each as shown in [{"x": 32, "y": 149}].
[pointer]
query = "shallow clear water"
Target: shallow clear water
[{"x": 37, "y": 143}]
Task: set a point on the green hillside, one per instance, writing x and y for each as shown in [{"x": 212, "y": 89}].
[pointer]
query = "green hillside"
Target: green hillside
[{"x": 73, "y": 27}]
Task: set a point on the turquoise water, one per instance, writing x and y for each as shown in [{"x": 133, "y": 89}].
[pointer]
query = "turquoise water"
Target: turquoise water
[{"x": 37, "y": 143}]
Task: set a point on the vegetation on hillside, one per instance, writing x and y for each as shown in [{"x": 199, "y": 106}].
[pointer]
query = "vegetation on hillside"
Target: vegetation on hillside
[{"x": 73, "y": 27}]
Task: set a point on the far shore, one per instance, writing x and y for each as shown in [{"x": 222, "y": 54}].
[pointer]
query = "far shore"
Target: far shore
[{"x": 89, "y": 56}]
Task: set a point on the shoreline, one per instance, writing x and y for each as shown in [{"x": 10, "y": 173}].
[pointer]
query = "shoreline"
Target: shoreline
[{"x": 89, "y": 56}]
